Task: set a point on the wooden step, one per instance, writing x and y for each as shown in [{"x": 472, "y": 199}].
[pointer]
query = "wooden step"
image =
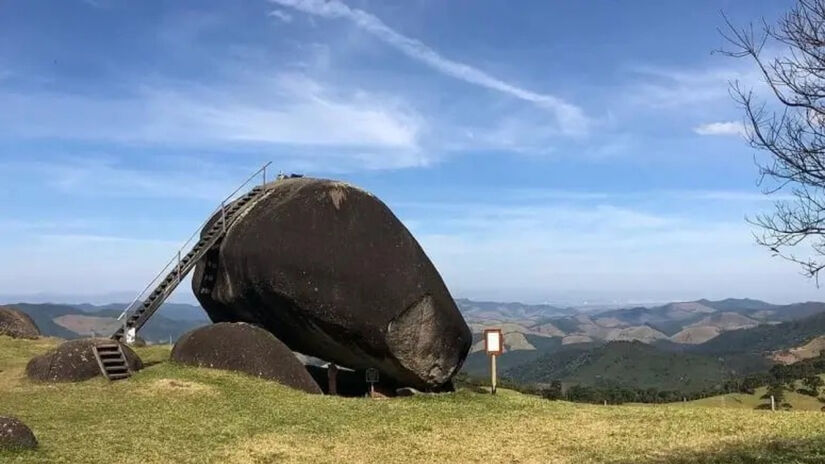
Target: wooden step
[{"x": 112, "y": 361}]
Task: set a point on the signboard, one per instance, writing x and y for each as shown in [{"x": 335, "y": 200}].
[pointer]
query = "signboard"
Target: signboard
[
  {"x": 372, "y": 375},
  {"x": 493, "y": 341},
  {"x": 372, "y": 379}
]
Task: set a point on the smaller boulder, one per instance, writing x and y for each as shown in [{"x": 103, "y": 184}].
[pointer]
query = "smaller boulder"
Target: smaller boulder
[
  {"x": 74, "y": 361},
  {"x": 15, "y": 435},
  {"x": 407, "y": 391},
  {"x": 237, "y": 346},
  {"x": 17, "y": 324}
]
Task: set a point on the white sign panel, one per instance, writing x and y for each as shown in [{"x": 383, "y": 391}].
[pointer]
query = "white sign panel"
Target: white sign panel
[{"x": 492, "y": 338}]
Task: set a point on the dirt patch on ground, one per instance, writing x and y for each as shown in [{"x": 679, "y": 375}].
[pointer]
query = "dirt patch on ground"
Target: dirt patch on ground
[
  {"x": 162, "y": 387},
  {"x": 88, "y": 325}
]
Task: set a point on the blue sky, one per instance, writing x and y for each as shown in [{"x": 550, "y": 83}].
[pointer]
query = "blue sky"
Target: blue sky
[{"x": 539, "y": 151}]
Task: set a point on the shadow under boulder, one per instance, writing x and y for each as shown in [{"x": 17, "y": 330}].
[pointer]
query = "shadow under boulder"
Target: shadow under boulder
[
  {"x": 17, "y": 324},
  {"x": 244, "y": 348},
  {"x": 353, "y": 383},
  {"x": 74, "y": 361},
  {"x": 15, "y": 435}
]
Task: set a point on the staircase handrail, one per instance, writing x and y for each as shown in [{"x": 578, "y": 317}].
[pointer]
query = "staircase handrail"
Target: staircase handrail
[{"x": 177, "y": 255}]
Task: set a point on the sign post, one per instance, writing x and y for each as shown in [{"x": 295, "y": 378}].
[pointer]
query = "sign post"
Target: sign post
[
  {"x": 332, "y": 379},
  {"x": 493, "y": 345},
  {"x": 372, "y": 378}
]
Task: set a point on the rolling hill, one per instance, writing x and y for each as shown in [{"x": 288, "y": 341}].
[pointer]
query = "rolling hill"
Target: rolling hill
[
  {"x": 764, "y": 339},
  {"x": 629, "y": 364},
  {"x": 69, "y": 321}
]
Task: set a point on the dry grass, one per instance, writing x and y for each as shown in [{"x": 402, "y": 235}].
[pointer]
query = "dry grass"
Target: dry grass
[{"x": 199, "y": 415}]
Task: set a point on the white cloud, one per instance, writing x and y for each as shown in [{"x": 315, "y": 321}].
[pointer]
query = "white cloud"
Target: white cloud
[
  {"x": 282, "y": 15},
  {"x": 596, "y": 250},
  {"x": 570, "y": 118},
  {"x": 286, "y": 110},
  {"x": 721, "y": 128}
]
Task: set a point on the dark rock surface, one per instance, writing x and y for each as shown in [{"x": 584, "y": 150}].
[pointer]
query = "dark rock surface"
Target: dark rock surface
[
  {"x": 74, "y": 361},
  {"x": 244, "y": 348},
  {"x": 329, "y": 270},
  {"x": 15, "y": 435},
  {"x": 17, "y": 324}
]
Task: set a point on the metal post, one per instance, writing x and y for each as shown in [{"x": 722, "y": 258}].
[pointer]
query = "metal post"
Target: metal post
[
  {"x": 264, "y": 174},
  {"x": 493, "y": 373},
  {"x": 179, "y": 269},
  {"x": 773, "y": 403},
  {"x": 332, "y": 378}
]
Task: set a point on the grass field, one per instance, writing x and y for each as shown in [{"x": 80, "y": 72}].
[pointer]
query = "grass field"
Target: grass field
[
  {"x": 798, "y": 401},
  {"x": 169, "y": 413}
]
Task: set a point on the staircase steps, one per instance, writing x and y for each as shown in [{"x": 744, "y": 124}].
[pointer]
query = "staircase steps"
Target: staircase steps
[
  {"x": 145, "y": 309},
  {"x": 112, "y": 361}
]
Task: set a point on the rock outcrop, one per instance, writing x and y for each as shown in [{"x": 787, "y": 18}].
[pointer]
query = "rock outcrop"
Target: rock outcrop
[
  {"x": 74, "y": 361},
  {"x": 15, "y": 435},
  {"x": 330, "y": 271},
  {"x": 243, "y": 348},
  {"x": 17, "y": 324}
]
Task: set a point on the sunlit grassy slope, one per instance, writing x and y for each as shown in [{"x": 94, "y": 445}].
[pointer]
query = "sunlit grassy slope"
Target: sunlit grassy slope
[
  {"x": 798, "y": 401},
  {"x": 169, "y": 413}
]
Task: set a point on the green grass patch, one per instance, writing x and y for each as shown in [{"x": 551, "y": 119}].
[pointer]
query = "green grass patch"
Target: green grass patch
[{"x": 170, "y": 413}]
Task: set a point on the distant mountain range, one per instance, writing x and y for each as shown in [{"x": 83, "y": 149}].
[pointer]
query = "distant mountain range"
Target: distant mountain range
[{"x": 690, "y": 345}]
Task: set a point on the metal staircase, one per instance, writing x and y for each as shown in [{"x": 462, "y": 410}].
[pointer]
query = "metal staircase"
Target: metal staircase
[
  {"x": 135, "y": 316},
  {"x": 112, "y": 361}
]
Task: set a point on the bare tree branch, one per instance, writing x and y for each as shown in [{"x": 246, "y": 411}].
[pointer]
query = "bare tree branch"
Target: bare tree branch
[{"x": 792, "y": 132}]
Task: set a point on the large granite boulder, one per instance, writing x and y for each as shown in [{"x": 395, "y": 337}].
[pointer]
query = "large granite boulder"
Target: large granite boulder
[
  {"x": 244, "y": 348},
  {"x": 17, "y": 324},
  {"x": 329, "y": 270},
  {"x": 15, "y": 435},
  {"x": 74, "y": 361}
]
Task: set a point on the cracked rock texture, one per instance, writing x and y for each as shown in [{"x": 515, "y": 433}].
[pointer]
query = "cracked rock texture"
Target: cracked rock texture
[{"x": 74, "y": 361}]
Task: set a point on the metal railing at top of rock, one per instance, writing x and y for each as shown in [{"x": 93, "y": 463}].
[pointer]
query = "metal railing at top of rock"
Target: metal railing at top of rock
[{"x": 176, "y": 258}]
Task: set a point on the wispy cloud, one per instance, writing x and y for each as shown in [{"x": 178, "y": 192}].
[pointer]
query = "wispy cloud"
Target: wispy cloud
[
  {"x": 721, "y": 128},
  {"x": 287, "y": 110},
  {"x": 570, "y": 118},
  {"x": 282, "y": 15},
  {"x": 591, "y": 248},
  {"x": 660, "y": 87}
]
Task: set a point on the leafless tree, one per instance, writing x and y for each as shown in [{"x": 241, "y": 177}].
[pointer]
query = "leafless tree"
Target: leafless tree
[{"x": 789, "y": 127}]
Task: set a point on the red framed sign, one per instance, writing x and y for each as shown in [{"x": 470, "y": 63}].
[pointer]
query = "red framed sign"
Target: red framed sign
[{"x": 493, "y": 341}]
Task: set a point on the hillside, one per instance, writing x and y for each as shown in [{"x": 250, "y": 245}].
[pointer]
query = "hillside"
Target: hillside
[
  {"x": 797, "y": 401},
  {"x": 809, "y": 350},
  {"x": 169, "y": 413},
  {"x": 631, "y": 364},
  {"x": 764, "y": 339},
  {"x": 71, "y": 321}
]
